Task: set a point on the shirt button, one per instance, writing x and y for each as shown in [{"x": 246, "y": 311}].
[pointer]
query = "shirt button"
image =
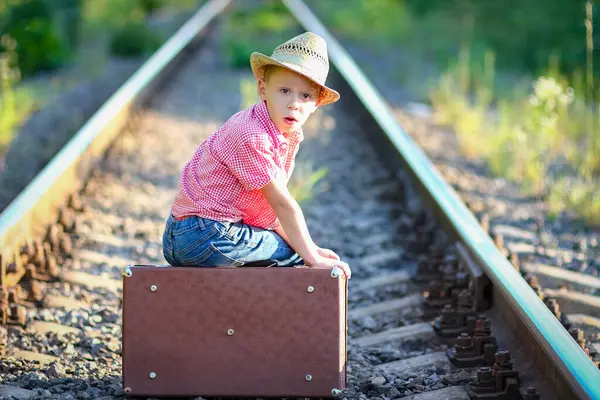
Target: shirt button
[{"x": 284, "y": 146}]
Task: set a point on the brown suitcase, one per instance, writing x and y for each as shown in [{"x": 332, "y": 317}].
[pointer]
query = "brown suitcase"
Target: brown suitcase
[{"x": 234, "y": 332}]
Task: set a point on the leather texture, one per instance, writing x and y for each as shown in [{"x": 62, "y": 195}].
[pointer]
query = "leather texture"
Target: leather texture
[{"x": 281, "y": 332}]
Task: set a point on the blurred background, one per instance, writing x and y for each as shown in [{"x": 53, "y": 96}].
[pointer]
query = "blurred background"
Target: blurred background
[{"x": 515, "y": 81}]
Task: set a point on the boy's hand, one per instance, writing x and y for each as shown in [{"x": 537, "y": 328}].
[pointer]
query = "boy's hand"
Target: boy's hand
[
  {"x": 328, "y": 263},
  {"x": 327, "y": 253}
]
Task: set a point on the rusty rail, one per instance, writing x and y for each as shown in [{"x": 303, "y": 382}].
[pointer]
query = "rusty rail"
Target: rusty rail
[
  {"x": 39, "y": 204},
  {"x": 554, "y": 348}
]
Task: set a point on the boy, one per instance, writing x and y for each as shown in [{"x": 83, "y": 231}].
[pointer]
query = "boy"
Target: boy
[{"x": 233, "y": 207}]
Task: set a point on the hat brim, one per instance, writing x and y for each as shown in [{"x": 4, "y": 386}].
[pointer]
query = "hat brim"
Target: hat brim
[{"x": 259, "y": 61}]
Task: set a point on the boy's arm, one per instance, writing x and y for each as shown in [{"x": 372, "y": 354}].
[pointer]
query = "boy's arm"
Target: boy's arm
[
  {"x": 279, "y": 230},
  {"x": 293, "y": 226}
]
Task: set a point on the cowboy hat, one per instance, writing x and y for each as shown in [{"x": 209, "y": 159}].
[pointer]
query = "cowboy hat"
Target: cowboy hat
[{"x": 305, "y": 54}]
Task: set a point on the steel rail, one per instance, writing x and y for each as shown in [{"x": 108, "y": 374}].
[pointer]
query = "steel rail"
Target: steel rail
[
  {"x": 571, "y": 363},
  {"x": 32, "y": 210}
]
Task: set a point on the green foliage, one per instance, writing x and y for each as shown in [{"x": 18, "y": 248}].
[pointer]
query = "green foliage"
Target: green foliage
[
  {"x": 579, "y": 195},
  {"x": 303, "y": 184},
  {"x": 256, "y": 28},
  {"x": 69, "y": 15},
  {"x": 523, "y": 35},
  {"x": 109, "y": 15},
  {"x": 375, "y": 21},
  {"x": 149, "y": 6},
  {"x": 41, "y": 43},
  {"x": 249, "y": 93},
  {"x": 135, "y": 39},
  {"x": 462, "y": 99},
  {"x": 15, "y": 104},
  {"x": 546, "y": 141}
]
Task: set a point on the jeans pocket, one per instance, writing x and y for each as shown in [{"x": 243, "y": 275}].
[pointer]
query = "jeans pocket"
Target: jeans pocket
[
  {"x": 193, "y": 257},
  {"x": 217, "y": 258},
  {"x": 194, "y": 241}
]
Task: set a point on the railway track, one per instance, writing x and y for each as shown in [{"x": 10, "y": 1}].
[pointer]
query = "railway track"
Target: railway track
[{"x": 418, "y": 283}]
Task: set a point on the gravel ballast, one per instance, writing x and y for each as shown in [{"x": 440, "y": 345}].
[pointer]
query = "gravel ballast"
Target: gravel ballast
[{"x": 357, "y": 211}]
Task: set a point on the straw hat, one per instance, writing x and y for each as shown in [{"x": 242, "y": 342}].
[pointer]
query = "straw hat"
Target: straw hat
[{"x": 305, "y": 54}]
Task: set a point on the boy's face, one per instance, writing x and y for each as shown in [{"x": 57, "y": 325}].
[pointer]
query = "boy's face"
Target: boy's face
[{"x": 290, "y": 98}]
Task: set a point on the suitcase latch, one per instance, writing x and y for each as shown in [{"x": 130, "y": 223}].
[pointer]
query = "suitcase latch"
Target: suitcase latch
[
  {"x": 336, "y": 272},
  {"x": 127, "y": 272}
]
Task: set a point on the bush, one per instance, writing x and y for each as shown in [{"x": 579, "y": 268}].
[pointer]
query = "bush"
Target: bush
[
  {"x": 256, "y": 28},
  {"x": 41, "y": 44},
  {"x": 69, "y": 14},
  {"x": 134, "y": 40},
  {"x": 149, "y": 6}
]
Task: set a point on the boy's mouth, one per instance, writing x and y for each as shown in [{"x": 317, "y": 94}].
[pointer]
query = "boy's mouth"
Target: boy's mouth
[{"x": 290, "y": 120}]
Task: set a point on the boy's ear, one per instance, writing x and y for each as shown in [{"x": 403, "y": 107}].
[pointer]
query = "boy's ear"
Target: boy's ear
[{"x": 261, "y": 89}]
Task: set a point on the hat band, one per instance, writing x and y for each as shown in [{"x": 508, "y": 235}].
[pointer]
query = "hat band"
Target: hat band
[{"x": 304, "y": 66}]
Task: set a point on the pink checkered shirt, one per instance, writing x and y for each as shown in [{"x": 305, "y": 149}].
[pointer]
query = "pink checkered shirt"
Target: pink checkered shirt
[{"x": 222, "y": 180}]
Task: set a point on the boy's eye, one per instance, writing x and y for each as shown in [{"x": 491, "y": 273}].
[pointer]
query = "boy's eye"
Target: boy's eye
[
  {"x": 307, "y": 96},
  {"x": 284, "y": 90}
]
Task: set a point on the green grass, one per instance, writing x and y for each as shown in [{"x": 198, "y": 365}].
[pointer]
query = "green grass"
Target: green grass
[
  {"x": 378, "y": 22},
  {"x": 303, "y": 184},
  {"x": 249, "y": 92},
  {"x": 101, "y": 19},
  {"x": 250, "y": 27},
  {"x": 519, "y": 96},
  {"x": 16, "y": 103},
  {"x": 545, "y": 139}
]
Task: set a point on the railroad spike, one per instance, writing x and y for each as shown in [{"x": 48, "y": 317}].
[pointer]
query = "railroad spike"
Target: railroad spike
[
  {"x": 52, "y": 237},
  {"x": 485, "y": 222},
  {"x": 498, "y": 240},
  {"x": 538, "y": 290},
  {"x": 35, "y": 293},
  {"x": 28, "y": 249},
  {"x": 441, "y": 293},
  {"x": 499, "y": 382},
  {"x": 17, "y": 316},
  {"x": 430, "y": 268},
  {"x": 532, "y": 280},
  {"x": 30, "y": 272},
  {"x": 530, "y": 394},
  {"x": 66, "y": 245},
  {"x": 514, "y": 260},
  {"x": 3, "y": 340},
  {"x": 66, "y": 219},
  {"x": 75, "y": 202},
  {"x": 476, "y": 350},
  {"x": 456, "y": 320},
  {"x": 554, "y": 307}
]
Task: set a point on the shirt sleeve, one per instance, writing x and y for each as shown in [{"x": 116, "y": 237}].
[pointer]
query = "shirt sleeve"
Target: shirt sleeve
[{"x": 253, "y": 162}]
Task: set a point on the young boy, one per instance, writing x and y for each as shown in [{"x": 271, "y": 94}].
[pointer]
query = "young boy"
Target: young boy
[{"x": 233, "y": 207}]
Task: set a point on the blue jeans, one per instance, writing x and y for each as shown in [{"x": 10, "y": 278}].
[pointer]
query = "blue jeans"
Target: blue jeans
[{"x": 196, "y": 241}]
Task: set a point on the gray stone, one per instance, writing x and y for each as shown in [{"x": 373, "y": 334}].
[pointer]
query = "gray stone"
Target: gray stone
[
  {"x": 7, "y": 391},
  {"x": 369, "y": 323},
  {"x": 378, "y": 380},
  {"x": 55, "y": 370}
]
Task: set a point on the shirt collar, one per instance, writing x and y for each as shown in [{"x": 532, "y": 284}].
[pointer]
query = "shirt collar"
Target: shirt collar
[{"x": 261, "y": 111}]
